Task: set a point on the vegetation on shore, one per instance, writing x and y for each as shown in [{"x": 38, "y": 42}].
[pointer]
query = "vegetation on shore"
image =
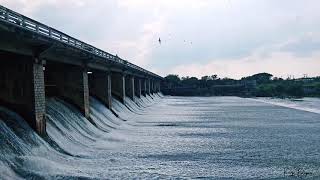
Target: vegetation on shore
[{"x": 260, "y": 85}]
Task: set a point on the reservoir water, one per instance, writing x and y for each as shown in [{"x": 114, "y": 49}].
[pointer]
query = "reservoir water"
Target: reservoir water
[{"x": 167, "y": 138}]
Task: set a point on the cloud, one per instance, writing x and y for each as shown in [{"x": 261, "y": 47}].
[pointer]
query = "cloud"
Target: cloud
[
  {"x": 194, "y": 33},
  {"x": 140, "y": 4},
  {"x": 304, "y": 46},
  {"x": 29, "y": 6},
  {"x": 140, "y": 48},
  {"x": 281, "y": 64}
]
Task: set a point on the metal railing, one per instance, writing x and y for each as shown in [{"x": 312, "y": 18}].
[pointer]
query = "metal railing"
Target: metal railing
[{"x": 22, "y": 21}]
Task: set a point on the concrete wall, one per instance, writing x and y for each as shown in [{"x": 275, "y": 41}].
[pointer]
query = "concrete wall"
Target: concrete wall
[
  {"x": 70, "y": 83},
  {"x": 22, "y": 88},
  {"x": 24, "y": 85},
  {"x": 100, "y": 87},
  {"x": 118, "y": 86}
]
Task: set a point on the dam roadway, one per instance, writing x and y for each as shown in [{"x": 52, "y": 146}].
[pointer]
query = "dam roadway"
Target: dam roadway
[{"x": 39, "y": 61}]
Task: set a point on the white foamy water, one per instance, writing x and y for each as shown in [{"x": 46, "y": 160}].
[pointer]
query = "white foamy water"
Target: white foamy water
[
  {"x": 304, "y": 104},
  {"x": 158, "y": 137}
]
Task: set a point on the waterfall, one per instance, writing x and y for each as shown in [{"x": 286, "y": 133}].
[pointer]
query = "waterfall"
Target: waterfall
[{"x": 72, "y": 141}]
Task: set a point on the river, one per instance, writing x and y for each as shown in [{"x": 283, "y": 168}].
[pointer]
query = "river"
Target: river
[{"x": 167, "y": 138}]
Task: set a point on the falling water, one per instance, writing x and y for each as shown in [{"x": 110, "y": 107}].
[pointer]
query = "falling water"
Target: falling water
[{"x": 163, "y": 137}]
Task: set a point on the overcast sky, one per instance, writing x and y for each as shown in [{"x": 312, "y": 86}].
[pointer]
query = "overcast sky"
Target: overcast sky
[{"x": 230, "y": 38}]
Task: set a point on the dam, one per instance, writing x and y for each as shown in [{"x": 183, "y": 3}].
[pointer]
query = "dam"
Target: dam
[
  {"x": 69, "y": 110},
  {"x": 38, "y": 61}
]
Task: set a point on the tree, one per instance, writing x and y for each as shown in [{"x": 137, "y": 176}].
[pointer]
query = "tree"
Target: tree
[
  {"x": 172, "y": 78},
  {"x": 204, "y": 78},
  {"x": 266, "y": 90},
  {"x": 203, "y": 81},
  {"x": 259, "y": 78},
  {"x": 190, "y": 81},
  {"x": 295, "y": 89},
  {"x": 214, "y": 77},
  {"x": 317, "y": 88}
]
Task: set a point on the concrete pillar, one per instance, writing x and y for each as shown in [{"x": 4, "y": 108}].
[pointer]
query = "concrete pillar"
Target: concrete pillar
[
  {"x": 153, "y": 89},
  {"x": 22, "y": 88},
  {"x": 100, "y": 87},
  {"x": 137, "y": 86},
  {"x": 130, "y": 87},
  {"x": 39, "y": 100},
  {"x": 157, "y": 86},
  {"x": 154, "y": 86},
  {"x": 109, "y": 105},
  {"x": 144, "y": 87},
  {"x": 70, "y": 83},
  {"x": 149, "y": 88},
  {"x": 118, "y": 86}
]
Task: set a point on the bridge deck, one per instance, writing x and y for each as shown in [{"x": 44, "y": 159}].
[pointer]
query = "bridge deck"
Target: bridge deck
[{"x": 9, "y": 18}]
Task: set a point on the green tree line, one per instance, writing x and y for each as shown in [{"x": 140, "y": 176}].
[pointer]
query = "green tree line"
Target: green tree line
[{"x": 261, "y": 85}]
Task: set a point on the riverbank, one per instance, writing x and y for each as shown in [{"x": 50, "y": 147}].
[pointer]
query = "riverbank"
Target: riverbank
[{"x": 260, "y": 85}]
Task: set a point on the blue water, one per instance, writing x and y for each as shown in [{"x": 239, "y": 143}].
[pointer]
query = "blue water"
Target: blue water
[{"x": 167, "y": 137}]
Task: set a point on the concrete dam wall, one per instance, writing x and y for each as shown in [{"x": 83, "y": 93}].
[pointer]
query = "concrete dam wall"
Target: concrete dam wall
[
  {"x": 39, "y": 62},
  {"x": 70, "y": 139},
  {"x": 61, "y": 99}
]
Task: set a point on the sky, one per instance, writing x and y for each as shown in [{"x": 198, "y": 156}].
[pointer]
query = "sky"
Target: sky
[{"x": 230, "y": 38}]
